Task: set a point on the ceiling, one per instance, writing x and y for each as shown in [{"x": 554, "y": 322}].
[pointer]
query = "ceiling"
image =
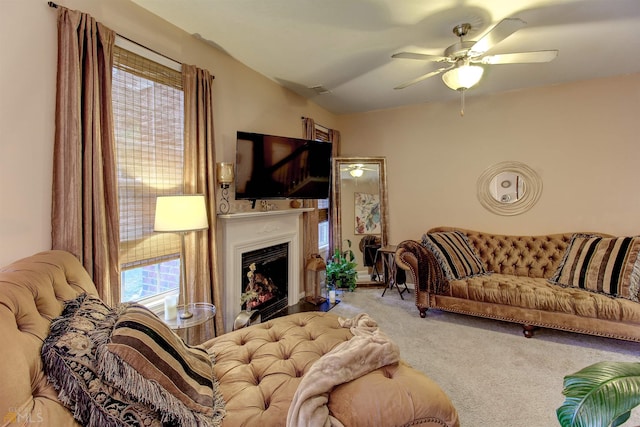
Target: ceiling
[{"x": 345, "y": 46}]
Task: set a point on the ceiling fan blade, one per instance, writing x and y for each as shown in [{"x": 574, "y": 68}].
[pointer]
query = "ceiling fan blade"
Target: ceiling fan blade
[
  {"x": 419, "y": 56},
  {"x": 501, "y": 31},
  {"x": 423, "y": 77},
  {"x": 521, "y": 57}
]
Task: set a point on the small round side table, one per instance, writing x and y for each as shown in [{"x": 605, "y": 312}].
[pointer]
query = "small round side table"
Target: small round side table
[{"x": 202, "y": 312}]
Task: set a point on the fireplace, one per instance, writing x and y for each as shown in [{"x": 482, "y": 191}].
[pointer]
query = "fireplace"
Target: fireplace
[
  {"x": 267, "y": 278},
  {"x": 248, "y": 233}
]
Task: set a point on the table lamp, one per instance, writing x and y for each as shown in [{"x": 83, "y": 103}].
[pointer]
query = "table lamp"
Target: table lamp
[{"x": 181, "y": 214}]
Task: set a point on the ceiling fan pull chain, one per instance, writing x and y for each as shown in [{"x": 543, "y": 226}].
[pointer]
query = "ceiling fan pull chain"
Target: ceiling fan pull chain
[{"x": 462, "y": 104}]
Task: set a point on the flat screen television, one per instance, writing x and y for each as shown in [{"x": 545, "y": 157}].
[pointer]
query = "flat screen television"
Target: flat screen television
[{"x": 277, "y": 167}]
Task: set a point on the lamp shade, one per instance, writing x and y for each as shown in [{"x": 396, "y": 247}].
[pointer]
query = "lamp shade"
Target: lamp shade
[
  {"x": 463, "y": 77},
  {"x": 224, "y": 173},
  {"x": 185, "y": 212}
]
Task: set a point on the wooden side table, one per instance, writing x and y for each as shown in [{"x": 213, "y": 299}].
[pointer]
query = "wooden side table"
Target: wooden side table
[
  {"x": 388, "y": 254},
  {"x": 202, "y": 312}
]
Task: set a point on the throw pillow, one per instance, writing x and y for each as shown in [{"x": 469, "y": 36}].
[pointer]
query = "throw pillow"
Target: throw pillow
[
  {"x": 68, "y": 356},
  {"x": 455, "y": 254},
  {"x": 142, "y": 357},
  {"x": 600, "y": 264}
]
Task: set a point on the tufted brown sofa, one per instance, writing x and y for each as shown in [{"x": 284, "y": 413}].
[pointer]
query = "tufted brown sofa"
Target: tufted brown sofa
[
  {"x": 518, "y": 290},
  {"x": 258, "y": 367}
]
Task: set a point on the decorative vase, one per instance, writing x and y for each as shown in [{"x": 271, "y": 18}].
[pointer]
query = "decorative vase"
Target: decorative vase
[{"x": 332, "y": 296}]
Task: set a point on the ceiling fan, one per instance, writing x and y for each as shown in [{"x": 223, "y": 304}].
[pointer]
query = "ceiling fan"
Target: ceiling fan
[
  {"x": 463, "y": 73},
  {"x": 356, "y": 170}
]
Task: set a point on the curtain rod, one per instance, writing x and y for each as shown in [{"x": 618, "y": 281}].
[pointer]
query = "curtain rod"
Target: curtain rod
[
  {"x": 55, "y": 6},
  {"x": 317, "y": 125}
]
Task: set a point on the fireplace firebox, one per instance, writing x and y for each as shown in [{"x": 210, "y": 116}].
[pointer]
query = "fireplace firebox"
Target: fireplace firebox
[{"x": 266, "y": 273}]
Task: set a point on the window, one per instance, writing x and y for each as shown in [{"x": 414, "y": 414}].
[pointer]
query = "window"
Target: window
[
  {"x": 148, "y": 111},
  {"x": 323, "y": 224},
  {"x": 322, "y": 134}
]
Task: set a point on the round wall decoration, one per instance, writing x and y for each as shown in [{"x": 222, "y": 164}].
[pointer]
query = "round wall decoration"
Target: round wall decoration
[{"x": 529, "y": 188}]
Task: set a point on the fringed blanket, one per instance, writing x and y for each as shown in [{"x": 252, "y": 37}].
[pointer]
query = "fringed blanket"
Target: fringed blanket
[
  {"x": 430, "y": 274},
  {"x": 368, "y": 350}
]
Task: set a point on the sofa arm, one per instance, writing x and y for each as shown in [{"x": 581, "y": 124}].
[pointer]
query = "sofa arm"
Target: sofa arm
[{"x": 427, "y": 273}]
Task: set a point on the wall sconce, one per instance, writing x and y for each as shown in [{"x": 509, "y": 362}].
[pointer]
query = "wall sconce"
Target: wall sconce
[
  {"x": 181, "y": 214},
  {"x": 224, "y": 175}
]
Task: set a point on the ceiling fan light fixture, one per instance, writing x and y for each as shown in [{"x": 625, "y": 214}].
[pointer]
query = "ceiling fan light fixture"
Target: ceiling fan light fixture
[
  {"x": 463, "y": 77},
  {"x": 356, "y": 173}
]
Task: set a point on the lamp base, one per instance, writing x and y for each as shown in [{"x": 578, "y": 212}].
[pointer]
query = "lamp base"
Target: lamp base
[{"x": 186, "y": 314}]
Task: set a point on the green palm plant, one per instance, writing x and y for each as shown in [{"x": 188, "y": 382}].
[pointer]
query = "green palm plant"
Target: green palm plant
[{"x": 600, "y": 395}]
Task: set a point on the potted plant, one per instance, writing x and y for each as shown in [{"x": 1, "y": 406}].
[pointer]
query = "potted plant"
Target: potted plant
[
  {"x": 600, "y": 395},
  {"x": 341, "y": 269}
]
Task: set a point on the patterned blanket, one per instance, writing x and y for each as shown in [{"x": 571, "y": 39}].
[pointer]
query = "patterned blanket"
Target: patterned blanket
[{"x": 429, "y": 272}]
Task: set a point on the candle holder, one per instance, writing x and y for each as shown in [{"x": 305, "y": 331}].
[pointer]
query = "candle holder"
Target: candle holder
[{"x": 224, "y": 175}]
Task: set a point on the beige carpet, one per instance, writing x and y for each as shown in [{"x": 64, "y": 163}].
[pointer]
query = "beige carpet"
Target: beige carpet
[{"x": 494, "y": 376}]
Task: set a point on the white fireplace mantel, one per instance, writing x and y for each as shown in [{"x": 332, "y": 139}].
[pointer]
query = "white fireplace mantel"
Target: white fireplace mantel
[{"x": 247, "y": 231}]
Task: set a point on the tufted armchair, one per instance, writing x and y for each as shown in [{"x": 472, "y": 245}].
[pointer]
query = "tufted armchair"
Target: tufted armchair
[{"x": 516, "y": 286}]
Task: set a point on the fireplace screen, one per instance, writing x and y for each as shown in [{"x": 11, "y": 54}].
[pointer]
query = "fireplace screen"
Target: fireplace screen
[{"x": 265, "y": 274}]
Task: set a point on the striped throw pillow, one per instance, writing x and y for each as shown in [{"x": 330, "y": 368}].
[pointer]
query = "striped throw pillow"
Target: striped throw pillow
[
  {"x": 455, "y": 254},
  {"x": 142, "y": 357},
  {"x": 69, "y": 360},
  {"x": 604, "y": 265}
]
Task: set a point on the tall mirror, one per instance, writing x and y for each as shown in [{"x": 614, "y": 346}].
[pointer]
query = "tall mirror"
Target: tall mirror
[{"x": 360, "y": 208}]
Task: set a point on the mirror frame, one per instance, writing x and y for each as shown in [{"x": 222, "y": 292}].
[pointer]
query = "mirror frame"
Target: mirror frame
[
  {"x": 336, "y": 216},
  {"x": 532, "y": 192}
]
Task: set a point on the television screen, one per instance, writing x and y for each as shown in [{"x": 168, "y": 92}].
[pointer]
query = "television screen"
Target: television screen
[{"x": 276, "y": 167}]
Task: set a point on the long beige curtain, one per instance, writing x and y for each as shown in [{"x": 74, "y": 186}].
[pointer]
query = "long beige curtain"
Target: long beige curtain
[
  {"x": 309, "y": 219},
  {"x": 200, "y": 173},
  {"x": 84, "y": 217},
  {"x": 334, "y": 138}
]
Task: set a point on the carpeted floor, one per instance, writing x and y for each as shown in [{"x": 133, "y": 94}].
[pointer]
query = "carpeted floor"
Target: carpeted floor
[{"x": 494, "y": 376}]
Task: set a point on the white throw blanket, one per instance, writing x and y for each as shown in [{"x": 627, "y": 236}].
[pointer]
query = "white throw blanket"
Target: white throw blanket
[{"x": 368, "y": 350}]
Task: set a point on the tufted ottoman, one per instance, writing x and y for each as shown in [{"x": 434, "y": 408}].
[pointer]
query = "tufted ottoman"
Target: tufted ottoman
[{"x": 260, "y": 367}]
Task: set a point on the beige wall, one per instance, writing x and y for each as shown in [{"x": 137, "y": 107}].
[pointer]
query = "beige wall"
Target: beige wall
[
  {"x": 244, "y": 100},
  {"x": 581, "y": 138}
]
